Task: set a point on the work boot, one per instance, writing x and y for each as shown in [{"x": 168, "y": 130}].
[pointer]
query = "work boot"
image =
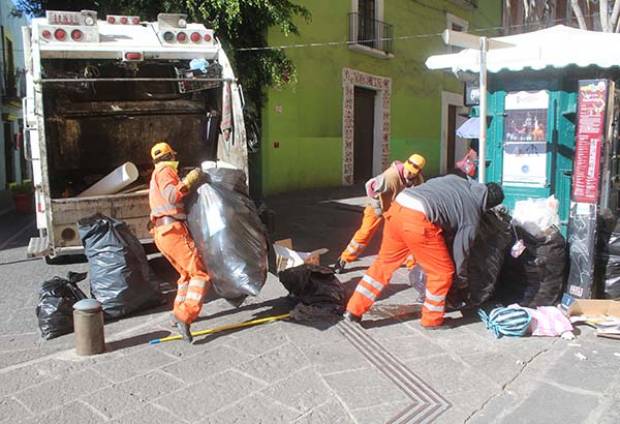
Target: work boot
[
  {"x": 348, "y": 316},
  {"x": 447, "y": 324},
  {"x": 339, "y": 266},
  {"x": 184, "y": 330}
]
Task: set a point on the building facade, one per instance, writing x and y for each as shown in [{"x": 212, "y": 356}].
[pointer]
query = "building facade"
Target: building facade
[
  {"x": 13, "y": 164},
  {"x": 521, "y": 16},
  {"x": 364, "y": 96}
]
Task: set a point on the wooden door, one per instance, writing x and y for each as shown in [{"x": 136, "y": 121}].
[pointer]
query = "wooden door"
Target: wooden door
[{"x": 363, "y": 136}]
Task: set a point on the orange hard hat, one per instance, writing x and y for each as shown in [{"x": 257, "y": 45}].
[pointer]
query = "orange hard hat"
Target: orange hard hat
[
  {"x": 160, "y": 149},
  {"x": 415, "y": 163}
]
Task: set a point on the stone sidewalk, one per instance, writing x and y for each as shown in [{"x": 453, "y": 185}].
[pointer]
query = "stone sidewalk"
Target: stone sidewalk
[{"x": 389, "y": 370}]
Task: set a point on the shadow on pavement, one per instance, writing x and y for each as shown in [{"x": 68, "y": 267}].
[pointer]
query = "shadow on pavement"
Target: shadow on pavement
[
  {"x": 136, "y": 340},
  {"x": 16, "y": 230}
]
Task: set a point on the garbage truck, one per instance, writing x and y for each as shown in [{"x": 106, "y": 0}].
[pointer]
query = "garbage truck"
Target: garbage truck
[{"x": 100, "y": 93}]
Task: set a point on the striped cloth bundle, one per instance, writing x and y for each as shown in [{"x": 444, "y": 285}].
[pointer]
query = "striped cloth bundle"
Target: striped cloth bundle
[{"x": 506, "y": 321}]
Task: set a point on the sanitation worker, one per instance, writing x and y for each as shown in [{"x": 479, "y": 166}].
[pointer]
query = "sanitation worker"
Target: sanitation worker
[
  {"x": 416, "y": 222},
  {"x": 171, "y": 236},
  {"x": 381, "y": 190}
]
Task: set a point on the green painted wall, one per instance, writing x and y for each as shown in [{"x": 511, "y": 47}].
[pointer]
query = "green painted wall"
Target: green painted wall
[{"x": 302, "y": 123}]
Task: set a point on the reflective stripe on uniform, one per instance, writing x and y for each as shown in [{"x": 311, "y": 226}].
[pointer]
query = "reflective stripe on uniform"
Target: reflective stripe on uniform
[
  {"x": 197, "y": 283},
  {"x": 352, "y": 249},
  {"x": 434, "y": 297},
  {"x": 433, "y": 308},
  {"x": 372, "y": 282},
  {"x": 365, "y": 292},
  {"x": 355, "y": 247},
  {"x": 194, "y": 296}
]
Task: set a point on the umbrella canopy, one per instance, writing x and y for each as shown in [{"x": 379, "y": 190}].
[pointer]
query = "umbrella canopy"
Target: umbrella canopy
[
  {"x": 557, "y": 47},
  {"x": 469, "y": 129}
]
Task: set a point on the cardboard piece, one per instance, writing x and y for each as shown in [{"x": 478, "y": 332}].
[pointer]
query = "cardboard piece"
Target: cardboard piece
[
  {"x": 593, "y": 308},
  {"x": 287, "y": 258},
  {"x": 604, "y": 315}
]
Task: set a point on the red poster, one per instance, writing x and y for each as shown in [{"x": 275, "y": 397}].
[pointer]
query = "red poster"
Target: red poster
[{"x": 591, "y": 108}]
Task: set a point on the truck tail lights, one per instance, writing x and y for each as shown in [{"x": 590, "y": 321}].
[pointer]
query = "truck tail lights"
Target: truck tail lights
[
  {"x": 123, "y": 20},
  {"x": 77, "y": 35},
  {"x": 60, "y": 34},
  {"x": 133, "y": 56}
]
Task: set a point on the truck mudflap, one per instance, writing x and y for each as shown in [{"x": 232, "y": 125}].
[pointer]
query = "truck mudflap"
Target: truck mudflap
[{"x": 39, "y": 246}]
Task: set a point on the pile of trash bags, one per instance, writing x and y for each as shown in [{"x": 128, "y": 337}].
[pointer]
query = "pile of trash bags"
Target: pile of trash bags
[
  {"x": 55, "y": 308},
  {"x": 537, "y": 276},
  {"x": 120, "y": 276},
  {"x": 515, "y": 259},
  {"x": 229, "y": 234}
]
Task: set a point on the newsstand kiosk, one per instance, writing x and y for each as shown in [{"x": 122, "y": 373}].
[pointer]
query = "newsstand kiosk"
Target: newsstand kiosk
[
  {"x": 552, "y": 129},
  {"x": 557, "y": 135}
]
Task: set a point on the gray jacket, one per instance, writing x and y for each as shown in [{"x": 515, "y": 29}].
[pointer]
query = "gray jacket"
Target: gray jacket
[{"x": 456, "y": 205}]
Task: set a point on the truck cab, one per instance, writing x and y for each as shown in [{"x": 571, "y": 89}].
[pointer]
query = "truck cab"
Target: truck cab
[{"x": 100, "y": 93}]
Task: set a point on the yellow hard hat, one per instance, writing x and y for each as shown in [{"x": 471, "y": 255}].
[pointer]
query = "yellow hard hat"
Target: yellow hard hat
[
  {"x": 160, "y": 149},
  {"x": 415, "y": 163}
]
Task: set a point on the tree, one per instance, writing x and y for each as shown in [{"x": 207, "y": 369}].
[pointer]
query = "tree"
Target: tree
[
  {"x": 539, "y": 12},
  {"x": 238, "y": 23}
]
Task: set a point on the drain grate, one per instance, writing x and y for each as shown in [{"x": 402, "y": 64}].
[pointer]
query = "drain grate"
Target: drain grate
[{"x": 426, "y": 404}]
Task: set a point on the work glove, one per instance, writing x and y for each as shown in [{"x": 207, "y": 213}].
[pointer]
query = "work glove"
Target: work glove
[{"x": 193, "y": 178}]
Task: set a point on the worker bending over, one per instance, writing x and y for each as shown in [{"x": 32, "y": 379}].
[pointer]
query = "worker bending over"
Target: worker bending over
[
  {"x": 172, "y": 238},
  {"x": 381, "y": 190},
  {"x": 416, "y": 222}
]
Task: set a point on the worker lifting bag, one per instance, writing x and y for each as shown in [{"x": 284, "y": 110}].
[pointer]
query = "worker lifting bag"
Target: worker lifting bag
[
  {"x": 120, "y": 276},
  {"x": 229, "y": 234},
  {"x": 55, "y": 308}
]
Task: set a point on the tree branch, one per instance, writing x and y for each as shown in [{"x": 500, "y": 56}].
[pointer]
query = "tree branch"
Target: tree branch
[
  {"x": 578, "y": 14},
  {"x": 603, "y": 11},
  {"x": 614, "y": 16}
]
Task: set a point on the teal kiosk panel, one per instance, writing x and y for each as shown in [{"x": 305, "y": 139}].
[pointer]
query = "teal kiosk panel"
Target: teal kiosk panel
[{"x": 531, "y": 142}]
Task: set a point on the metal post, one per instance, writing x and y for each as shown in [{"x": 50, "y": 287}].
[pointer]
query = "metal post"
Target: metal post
[{"x": 482, "y": 141}]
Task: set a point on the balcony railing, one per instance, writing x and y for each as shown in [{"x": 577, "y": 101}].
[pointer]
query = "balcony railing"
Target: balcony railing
[{"x": 370, "y": 33}]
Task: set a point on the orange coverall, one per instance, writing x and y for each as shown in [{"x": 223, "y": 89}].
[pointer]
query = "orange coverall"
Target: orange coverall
[
  {"x": 390, "y": 183},
  {"x": 175, "y": 243},
  {"x": 406, "y": 231}
]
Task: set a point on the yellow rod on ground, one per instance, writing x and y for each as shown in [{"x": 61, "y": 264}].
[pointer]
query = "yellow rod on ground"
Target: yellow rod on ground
[{"x": 224, "y": 328}]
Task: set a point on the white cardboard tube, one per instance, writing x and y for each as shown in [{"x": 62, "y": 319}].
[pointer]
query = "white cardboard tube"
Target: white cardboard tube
[{"x": 114, "y": 182}]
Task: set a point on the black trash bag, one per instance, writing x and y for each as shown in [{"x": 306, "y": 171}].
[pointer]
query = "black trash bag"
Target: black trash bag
[
  {"x": 229, "y": 235},
  {"x": 314, "y": 285},
  {"x": 610, "y": 267},
  {"x": 608, "y": 256},
  {"x": 55, "y": 308},
  {"x": 494, "y": 238},
  {"x": 120, "y": 276},
  {"x": 538, "y": 276}
]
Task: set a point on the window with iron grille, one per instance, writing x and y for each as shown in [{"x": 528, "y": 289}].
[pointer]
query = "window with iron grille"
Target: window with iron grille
[{"x": 366, "y": 28}]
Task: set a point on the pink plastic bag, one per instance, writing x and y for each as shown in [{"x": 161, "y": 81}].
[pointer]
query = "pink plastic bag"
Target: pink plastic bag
[{"x": 468, "y": 163}]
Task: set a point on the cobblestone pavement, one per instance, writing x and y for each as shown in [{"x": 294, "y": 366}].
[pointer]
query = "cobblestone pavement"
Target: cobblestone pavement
[{"x": 387, "y": 370}]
